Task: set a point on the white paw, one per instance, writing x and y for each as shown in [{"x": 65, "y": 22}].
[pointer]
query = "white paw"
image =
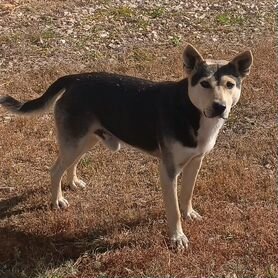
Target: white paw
[
  {"x": 60, "y": 203},
  {"x": 191, "y": 215},
  {"x": 179, "y": 241},
  {"x": 77, "y": 183}
]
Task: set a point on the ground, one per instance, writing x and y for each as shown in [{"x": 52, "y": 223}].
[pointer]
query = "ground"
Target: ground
[{"x": 116, "y": 227}]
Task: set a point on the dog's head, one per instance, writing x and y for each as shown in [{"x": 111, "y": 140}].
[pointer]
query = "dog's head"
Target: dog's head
[{"x": 214, "y": 86}]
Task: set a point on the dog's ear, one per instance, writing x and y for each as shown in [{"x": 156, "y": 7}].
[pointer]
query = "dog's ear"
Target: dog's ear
[
  {"x": 243, "y": 63},
  {"x": 191, "y": 57}
]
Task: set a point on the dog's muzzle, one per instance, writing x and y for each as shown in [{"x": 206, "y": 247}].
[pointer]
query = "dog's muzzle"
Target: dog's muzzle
[{"x": 217, "y": 110}]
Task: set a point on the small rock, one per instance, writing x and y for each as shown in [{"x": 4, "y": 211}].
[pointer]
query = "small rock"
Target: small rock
[{"x": 103, "y": 34}]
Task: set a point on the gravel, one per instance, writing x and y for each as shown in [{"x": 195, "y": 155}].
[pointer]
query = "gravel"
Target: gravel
[{"x": 33, "y": 35}]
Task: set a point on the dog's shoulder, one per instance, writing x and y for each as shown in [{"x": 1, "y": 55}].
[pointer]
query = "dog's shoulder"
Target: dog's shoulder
[{"x": 179, "y": 118}]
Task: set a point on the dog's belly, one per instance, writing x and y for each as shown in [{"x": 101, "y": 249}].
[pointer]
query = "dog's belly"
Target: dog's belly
[
  {"x": 114, "y": 143},
  {"x": 132, "y": 128}
]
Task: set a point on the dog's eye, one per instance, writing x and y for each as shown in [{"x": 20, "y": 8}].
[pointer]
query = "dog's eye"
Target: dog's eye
[
  {"x": 205, "y": 84},
  {"x": 230, "y": 85}
]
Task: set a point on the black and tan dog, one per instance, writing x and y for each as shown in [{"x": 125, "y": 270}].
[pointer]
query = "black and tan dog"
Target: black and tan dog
[{"x": 177, "y": 122}]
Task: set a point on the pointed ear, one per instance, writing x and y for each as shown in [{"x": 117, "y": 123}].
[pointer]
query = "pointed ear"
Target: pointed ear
[
  {"x": 191, "y": 57},
  {"x": 243, "y": 63}
]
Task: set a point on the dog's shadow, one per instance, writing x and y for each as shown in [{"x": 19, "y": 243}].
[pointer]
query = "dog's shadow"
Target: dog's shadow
[
  {"x": 7, "y": 205},
  {"x": 27, "y": 254}
]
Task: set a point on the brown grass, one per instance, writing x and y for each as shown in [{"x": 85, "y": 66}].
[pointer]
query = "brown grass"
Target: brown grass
[{"x": 117, "y": 227}]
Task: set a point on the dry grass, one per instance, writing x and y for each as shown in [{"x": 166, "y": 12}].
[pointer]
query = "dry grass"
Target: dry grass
[{"x": 117, "y": 226}]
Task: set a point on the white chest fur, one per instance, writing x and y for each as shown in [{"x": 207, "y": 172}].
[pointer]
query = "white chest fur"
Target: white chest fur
[{"x": 207, "y": 135}]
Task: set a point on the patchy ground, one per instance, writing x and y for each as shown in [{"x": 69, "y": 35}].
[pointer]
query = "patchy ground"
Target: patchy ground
[{"x": 117, "y": 227}]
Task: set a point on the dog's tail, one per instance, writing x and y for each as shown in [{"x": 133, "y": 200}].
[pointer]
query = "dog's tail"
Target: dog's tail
[{"x": 40, "y": 104}]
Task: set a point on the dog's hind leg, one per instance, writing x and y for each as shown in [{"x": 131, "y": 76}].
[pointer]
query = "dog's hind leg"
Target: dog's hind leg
[
  {"x": 72, "y": 178},
  {"x": 56, "y": 173},
  {"x": 69, "y": 155}
]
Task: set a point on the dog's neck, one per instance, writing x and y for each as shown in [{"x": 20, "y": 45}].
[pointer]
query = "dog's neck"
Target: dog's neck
[{"x": 208, "y": 132}]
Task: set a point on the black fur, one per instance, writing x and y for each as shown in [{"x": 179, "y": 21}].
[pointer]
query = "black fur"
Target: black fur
[
  {"x": 10, "y": 103},
  {"x": 216, "y": 71},
  {"x": 138, "y": 112},
  {"x": 38, "y": 103}
]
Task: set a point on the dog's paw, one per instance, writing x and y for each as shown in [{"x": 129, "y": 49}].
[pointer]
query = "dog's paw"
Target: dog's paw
[
  {"x": 77, "y": 183},
  {"x": 191, "y": 215},
  {"x": 179, "y": 241},
  {"x": 61, "y": 203}
]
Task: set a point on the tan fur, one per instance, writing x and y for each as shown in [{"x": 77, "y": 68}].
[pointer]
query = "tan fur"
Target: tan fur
[
  {"x": 189, "y": 161},
  {"x": 169, "y": 190},
  {"x": 203, "y": 98},
  {"x": 68, "y": 158},
  {"x": 189, "y": 176}
]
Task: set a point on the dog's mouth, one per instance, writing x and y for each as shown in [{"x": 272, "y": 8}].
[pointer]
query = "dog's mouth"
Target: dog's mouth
[{"x": 214, "y": 115}]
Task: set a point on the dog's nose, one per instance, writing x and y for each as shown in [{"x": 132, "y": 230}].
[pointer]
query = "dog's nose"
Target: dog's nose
[{"x": 219, "y": 108}]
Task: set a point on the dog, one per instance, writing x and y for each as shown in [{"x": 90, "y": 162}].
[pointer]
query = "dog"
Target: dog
[{"x": 176, "y": 121}]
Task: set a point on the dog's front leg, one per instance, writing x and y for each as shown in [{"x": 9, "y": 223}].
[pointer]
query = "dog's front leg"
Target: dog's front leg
[
  {"x": 189, "y": 176},
  {"x": 168, "y": 177}
]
